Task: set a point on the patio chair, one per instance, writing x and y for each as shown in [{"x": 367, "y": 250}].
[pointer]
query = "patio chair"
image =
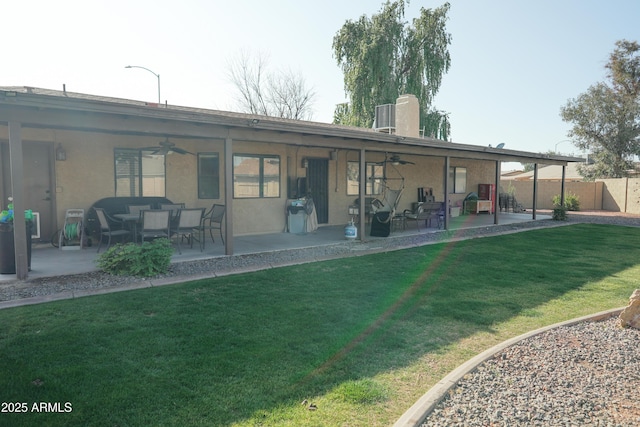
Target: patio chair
[
  {"x": 212, "y": 220},
  {"x": 189, "y": 223},
  {"x": 173, "y": 208},
  {"x": 155, "y": 224},
  {"x": 106, "y": 230},
  {"x": 426, "y": 212},
  {"x": 137, "y": 209}
]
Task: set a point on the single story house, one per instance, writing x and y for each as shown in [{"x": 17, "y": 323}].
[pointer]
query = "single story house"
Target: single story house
[{"x": 61, "y": 150}]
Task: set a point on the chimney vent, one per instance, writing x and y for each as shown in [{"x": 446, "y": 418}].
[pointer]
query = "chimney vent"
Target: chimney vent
[{"x": 408, "y": 116}]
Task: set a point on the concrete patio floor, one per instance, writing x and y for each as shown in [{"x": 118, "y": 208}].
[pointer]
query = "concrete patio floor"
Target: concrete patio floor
[{"x": 47, "y": 261}]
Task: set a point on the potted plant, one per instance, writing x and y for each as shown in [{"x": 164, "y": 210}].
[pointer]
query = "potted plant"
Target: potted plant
[{"x": 7, "y": 244}]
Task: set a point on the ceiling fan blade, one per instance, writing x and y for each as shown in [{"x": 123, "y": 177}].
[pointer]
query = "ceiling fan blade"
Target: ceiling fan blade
[
  {"x": 165, "y": 147},
  {"x": 180, "y": 151}
]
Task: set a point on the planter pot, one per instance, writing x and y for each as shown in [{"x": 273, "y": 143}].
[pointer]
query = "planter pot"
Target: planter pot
[{"x": 7, "y": 248}]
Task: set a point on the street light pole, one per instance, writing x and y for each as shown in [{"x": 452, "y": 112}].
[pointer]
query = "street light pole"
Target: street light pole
[
  {"x": 157, "y": 76},
  {"x": 560, "y": 142}
]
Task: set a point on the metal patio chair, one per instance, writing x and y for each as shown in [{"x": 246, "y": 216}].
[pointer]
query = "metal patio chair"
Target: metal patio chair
[
  {"x": 137, "y": 209},
  {"x": 426, "y": 212},
  {"x": 106, "y": 230},
  {"x": 155, "y": 224},
  {"x": 189, "y": 225},
  {"x": 174, "y": 208},
  {"x": 212, "y": 220}
]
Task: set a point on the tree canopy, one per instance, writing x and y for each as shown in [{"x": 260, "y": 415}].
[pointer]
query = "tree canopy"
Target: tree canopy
[
  {"x": 384, "y": 56},
  {"x": 606, "y": 118}
]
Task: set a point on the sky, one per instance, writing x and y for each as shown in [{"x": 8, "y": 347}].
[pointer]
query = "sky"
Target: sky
[{"x": 514, "y": 63}]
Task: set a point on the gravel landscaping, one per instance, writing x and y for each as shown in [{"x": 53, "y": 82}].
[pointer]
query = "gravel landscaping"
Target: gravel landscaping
[{"x": 587, "y": 374}]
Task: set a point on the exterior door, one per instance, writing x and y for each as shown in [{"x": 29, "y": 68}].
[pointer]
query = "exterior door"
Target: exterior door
[
  {"x": 318, "y": 187},
  {"x": 38, "y": 183}
]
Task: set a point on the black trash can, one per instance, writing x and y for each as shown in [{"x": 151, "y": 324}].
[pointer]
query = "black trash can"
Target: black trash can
[
  {"x": 381, "y": 224},
  {"x": 8, "y": 251}
]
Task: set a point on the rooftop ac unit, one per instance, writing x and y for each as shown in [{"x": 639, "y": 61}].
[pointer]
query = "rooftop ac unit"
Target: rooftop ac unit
[{"x": 385, "y": 120}]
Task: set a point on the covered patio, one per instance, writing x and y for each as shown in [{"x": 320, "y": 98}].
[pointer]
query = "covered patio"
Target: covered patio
[
  {"x": 327, "y": 242},
  {"x": 64, "y": 150}
]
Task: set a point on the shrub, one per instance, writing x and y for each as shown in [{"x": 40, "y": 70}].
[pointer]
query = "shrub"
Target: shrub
[
  {"x": 130, "y": 259},
  {"x": 571, "y": 201},
  {"x": 559, "y": 213}
]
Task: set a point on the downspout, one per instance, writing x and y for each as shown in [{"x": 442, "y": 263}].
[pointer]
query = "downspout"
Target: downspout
[{"x": 17, "y": 191}]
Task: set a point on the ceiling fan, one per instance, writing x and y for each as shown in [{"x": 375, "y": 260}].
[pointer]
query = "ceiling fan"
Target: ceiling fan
[
  {"x": 395, "y": 160},
  {"x": 165, "y": 147}
]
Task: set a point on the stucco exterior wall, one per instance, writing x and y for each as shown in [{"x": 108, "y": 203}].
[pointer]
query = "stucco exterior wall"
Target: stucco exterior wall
[
  {"x": 478, "y": 172},
  {"x": 87, "y": 174}
]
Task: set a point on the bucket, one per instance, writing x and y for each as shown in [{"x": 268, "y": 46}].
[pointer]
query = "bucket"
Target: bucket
[{"x": 350, "y": 231}]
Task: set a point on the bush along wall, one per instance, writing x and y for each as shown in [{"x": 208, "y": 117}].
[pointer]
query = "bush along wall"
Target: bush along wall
[{"x": 130, "y": 259}]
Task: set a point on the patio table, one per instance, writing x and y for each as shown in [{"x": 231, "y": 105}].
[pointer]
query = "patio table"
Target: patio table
[{"x": 132, "y": 220}]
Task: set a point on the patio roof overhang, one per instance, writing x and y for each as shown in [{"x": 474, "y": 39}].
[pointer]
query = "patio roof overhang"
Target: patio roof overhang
[{"x": 42, "y": 108}]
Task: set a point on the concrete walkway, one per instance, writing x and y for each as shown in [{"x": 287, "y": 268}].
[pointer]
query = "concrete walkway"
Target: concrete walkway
[{"x": 47, "y": 261}]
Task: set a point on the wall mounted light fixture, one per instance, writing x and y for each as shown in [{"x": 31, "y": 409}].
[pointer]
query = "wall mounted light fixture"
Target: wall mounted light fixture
[
  {"x": 61, "y": 155},
  {"x": 305, "y": 163}
]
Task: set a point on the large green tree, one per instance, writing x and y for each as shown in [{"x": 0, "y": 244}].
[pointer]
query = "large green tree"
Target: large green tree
[
  {"x": 606, "y": 118},
  {"x": 384, "y": 56}
]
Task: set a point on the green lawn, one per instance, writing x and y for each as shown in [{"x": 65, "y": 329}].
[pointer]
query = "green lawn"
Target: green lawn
[{"x": 362, "y": 337}]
